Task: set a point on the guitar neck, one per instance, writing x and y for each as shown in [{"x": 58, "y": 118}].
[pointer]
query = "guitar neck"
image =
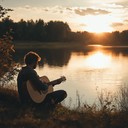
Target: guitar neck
[{"x": 54, "y": 82}]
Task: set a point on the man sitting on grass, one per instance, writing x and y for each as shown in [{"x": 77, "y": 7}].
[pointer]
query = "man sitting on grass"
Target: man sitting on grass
[{"x": 27, "y": 73}]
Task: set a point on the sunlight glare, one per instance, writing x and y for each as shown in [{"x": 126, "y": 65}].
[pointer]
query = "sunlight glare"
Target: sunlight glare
[
  {"x": 98, "y": 60},
  {"x": 98, "y": 24},
  {"x": 95, "y": 60}
]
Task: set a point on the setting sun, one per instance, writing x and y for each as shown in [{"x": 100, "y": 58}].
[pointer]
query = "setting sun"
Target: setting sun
[{"x": 98, "y": 24}]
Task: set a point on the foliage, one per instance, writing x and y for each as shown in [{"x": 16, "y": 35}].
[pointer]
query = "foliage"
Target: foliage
[
  {"x": 36, "y": 31},
  {"x": 3, "y": 11},
  {"x": 52, "y": 31},
  {"x": 58, "y": 31},
  {"x": 13, "y": 115},
  {"x": 7, "y": 65}
]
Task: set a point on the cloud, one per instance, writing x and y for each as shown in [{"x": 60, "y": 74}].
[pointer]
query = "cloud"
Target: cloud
[
  {"x": 126, "y": 21},
  {"x": 70, "y": 9},
  {"x": 123, "y": 3},
  {"x": 117, "y": 24},
  {"x": 28, "y": 12},
  {"x": 46, "y": 10},
  {"x": 113, "y": 5},
  {"x": 90, "y": 11},
  {"x": 27, "y": 7},
  {"x": 31, "y": 9},
  {"x": 83, "y": 25}
]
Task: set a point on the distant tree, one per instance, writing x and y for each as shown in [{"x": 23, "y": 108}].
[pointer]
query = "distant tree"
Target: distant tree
[
  {"x": 83, "y": 37},
  {"x": 29, "y": 30},
  {"x": 3, "y": 12},
  {"x": 39, "y": 30},
  {"x": 56, "y": 31},
  {"x": 5, "y": 25},
  {"x": 20, "y": 30},
  {"x": 124, "y": 37},
  {"x": 30, "y": 34},
  {"x": 115, "y": 38}
]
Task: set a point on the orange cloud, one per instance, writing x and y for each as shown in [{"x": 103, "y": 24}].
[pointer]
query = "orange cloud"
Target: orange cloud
[{"x": 90, "y": 11}]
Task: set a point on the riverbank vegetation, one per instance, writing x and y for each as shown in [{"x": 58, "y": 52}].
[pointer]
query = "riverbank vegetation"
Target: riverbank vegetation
[
  {"x": 7, "y": 64},
  {"x": 12, "y": 115}
]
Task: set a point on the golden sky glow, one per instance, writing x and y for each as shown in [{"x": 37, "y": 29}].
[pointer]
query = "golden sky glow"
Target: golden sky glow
[
  {"x": 98, "y": 24},
  {"x": 93, "y": 15}
]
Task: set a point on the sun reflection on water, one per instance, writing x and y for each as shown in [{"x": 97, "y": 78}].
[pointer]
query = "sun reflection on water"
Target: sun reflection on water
[
  {"x": 94, "y": 60},
  {"x": 98, "y": 60}
]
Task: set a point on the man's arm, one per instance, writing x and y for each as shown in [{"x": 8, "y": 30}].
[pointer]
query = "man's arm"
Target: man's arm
[{"x": 34, "y": 78}]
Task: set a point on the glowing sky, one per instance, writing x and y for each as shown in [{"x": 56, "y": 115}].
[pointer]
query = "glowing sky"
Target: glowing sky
[{"x": 81, "y": 15}]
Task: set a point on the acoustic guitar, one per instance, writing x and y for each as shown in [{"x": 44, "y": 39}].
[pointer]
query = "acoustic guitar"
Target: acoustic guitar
[{"x": 39, "y": 96}]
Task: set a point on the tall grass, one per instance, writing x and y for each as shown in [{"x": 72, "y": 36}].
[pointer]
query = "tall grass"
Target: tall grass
[
  {"x": 123, "y": 98},
  {"x": 110, "y": 112}
]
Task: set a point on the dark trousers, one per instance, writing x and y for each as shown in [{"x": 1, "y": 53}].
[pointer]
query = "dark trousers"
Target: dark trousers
[
  {"x": 55, "y": 97},
  {"x": 50, "y": 101}
]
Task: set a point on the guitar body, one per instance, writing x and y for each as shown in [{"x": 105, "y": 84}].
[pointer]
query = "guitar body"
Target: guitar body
[
  {"x": 38, "y": 96},
  {"x": 46, "y": 80}
]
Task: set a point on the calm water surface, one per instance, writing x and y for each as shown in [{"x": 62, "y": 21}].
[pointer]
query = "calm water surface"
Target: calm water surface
[{"x": 88, "y": 71}]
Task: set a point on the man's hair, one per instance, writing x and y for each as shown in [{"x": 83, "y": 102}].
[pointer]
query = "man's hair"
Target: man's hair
[{"x": 31, "y": 57}]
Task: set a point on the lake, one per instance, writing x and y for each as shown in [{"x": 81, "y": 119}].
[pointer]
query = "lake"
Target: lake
[{"x": 88, "y": 70}]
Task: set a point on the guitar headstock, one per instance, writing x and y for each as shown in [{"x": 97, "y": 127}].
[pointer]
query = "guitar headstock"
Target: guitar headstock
[{"x": 63, "y": 78}]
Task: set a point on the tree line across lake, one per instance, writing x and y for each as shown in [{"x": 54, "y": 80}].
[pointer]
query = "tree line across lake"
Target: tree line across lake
[{"x": 58, "y": 31}]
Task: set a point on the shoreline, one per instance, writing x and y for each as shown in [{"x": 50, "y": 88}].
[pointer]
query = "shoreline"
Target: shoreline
[
  {"x": 60, "y": 45},
  {"x": 46, "y": 45}
]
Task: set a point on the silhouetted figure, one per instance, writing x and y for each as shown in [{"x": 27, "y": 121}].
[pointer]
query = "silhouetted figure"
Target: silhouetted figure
[{"x": 34, "y": 90}]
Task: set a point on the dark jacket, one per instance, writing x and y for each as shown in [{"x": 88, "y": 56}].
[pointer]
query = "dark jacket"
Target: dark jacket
[{"x": 25, "y": 74}]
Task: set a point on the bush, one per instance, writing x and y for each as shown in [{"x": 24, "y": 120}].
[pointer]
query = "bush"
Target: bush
[{"x": 7, "y": 65}]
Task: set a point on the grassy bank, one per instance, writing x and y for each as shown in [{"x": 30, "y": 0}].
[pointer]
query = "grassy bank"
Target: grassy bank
[{"x": 12, "y": 115}]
